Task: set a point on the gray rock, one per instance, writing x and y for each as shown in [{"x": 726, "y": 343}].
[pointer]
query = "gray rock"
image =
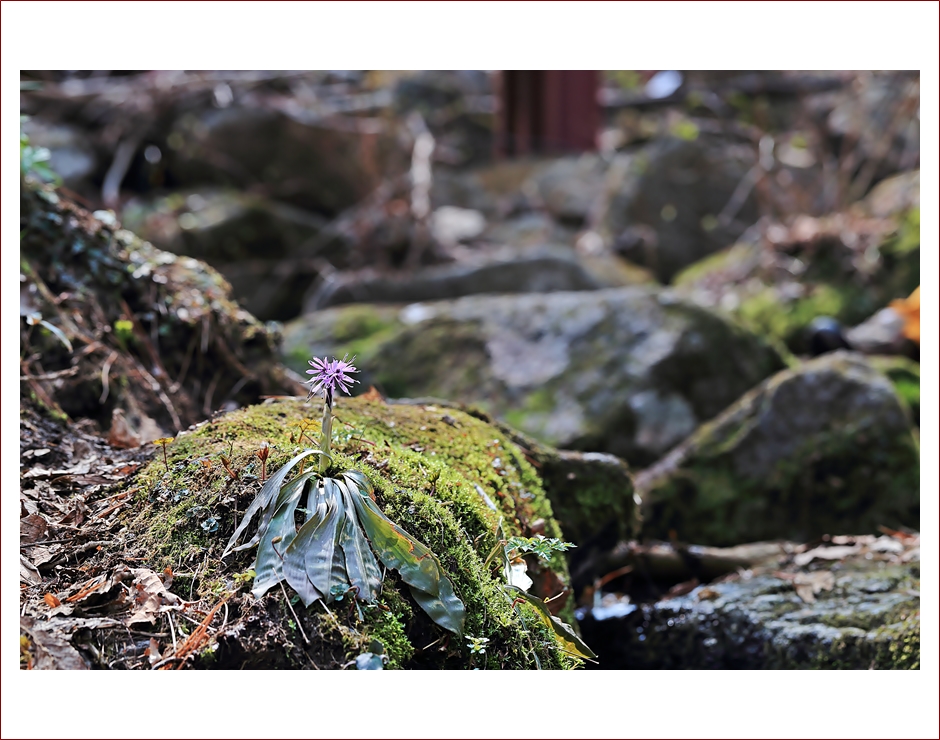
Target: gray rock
[
  {"x": 630, "y": 371},
  {"x": 543, "y": 269},
  {"x": 870, "y": 618},
  {"x": 894, "y": 195},
  {"x": 570, "y": 188},
  {"x": 259, "y": 246},
  {"x": 824, "y": 447},
  {"x": 664, "y": 211}
]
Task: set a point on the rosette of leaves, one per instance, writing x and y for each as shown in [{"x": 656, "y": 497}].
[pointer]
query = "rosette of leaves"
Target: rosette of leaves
[{"x": 331, "y": 554}]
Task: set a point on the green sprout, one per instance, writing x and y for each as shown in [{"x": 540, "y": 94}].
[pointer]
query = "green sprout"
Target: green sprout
[{"x": 477, "y": 645}]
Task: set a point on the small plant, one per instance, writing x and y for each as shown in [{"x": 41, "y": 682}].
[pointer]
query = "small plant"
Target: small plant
[
  {"x": 477, "y": 645},
  {"x": 163, "y": 442},
  {"x": 332, "y": 553},
  {"x": 539, "y": 545},
  {"x": 262, "y": 454},
  {"x": 34, "y": 160}
]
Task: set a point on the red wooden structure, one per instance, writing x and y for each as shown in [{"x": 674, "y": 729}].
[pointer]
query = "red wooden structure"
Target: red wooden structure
[{"x": 547, "y": 111}]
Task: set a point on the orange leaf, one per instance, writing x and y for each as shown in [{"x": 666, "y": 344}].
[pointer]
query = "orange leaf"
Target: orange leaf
[{"x": 52, "y": 600}]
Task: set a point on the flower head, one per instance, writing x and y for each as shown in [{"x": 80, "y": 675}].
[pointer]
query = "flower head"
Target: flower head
[{"x": 328, "y": 376}]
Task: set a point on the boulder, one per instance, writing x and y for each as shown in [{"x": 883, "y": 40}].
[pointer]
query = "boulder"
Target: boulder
[
  {"x": 265, "y": 249},
  {"x": 131, "y": 333},
  {"x": 447, "y": 478},
  {"x": 858, "y": 612},
  {"x": 846, "y": 266},
  {"x": 824, "y": 447},
  {"x": 631, "y": 371},
  {"x": 665, "y": 206},
  {"x": 545, "y": 268}
]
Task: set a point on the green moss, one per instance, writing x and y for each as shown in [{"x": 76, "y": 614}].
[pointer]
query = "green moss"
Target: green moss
[{"x": 425, "y": 463}]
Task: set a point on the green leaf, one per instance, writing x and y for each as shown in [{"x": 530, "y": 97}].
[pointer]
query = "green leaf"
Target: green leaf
[
  {"x": 361, "y": 566},
  {"x": 315, "y": 556},
  {"x": 417, "y": 565},
  {"x": 572, "y": 643},
  {"x": 268, "y": 565},
  {"x": 262, "y": 501}
]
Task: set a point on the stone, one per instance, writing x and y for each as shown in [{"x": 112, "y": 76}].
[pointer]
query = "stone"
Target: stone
[
  {"x": 845, "y": 265},
  {"x": 262, "y": 247},
  {"x": 666, "y": 201},
  {"x": 868, "y": 617},
  {"x": 630, "y": 371},
  {"x": 824, "y": 447},
  {"x": 542, "y": 269}
]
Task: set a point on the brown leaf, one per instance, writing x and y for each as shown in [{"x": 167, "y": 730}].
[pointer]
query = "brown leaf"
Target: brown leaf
[
  {"x": 28, "y": 572},
  {"x": 33, "y": 528},
  {"x": 49, "y": 648},
  {"x": 807, "y": 585},
  {"x": 372, "y": 394},
  {"x": 151, "y": 597},
  {"x": 52, "y": 600}
]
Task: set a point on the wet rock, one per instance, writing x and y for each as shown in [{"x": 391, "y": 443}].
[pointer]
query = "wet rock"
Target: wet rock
[
  {"x": 824, "y": 447},
  {"x": 262, "y": 247},
  {"x": 868, "y": 618},
  {"x": 667, "y": 200},
  {"x": 630, "y": 371}
]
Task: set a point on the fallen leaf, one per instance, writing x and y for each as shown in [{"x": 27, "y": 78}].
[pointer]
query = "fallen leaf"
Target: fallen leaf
[
  {"x": 151, "y": 597},
  {"x": 825, "y": 553},
  {"x": 29, "y": 572},
  {"x": 52, "y": 600},
  {"x": 49, "y": 649},
  {"x": 807, "y": 585},
  {"x": 33, "y": 528},
  {"x": 372, "y": 394}
]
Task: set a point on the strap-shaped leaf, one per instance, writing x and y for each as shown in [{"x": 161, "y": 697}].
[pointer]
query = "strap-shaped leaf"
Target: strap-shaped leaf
[
  {"x": 268, "y": 562},
  {"x": 445, "y": 609},
  {"x": 572, "y": 643},
  {"x": 361, "y": 566},
  {"x": 262, "y": 502},
  {"x": 417, "y": 565},
  {"x": 314, "y": 562}
]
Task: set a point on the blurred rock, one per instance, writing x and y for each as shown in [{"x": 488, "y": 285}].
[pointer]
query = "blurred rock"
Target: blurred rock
[
  {"x": 495, "y": 270},
  {"x": 290, "y": 155},
  {"x": 630, "y": 371},
  {"x": 846, "y": 266},
  {"x": 570, "y": 188},
  {"x": 824, "y": 447},
  {"x": 894, "y": 196},
  {"x": 675, "y": 190},
  {"x": 266, "y": 250},
  {"x": 73, "y": 156}
]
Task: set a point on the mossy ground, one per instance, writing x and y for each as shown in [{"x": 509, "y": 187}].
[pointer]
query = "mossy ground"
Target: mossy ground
[{"x": 426, "y": 464}]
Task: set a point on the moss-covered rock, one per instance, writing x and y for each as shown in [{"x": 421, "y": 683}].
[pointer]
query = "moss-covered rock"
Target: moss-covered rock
[
  {"x": 150, "y": 334},
  {"x": 630, "y": 371},
  {"x": 869, "y": 619},
  {"x": 436, "y": 472},
  {"x": 825, "y": 447},
  {"x": 846, "y": 266}
]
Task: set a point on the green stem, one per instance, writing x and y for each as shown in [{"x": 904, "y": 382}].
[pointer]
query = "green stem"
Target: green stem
[{"x": 326, "y": 433}]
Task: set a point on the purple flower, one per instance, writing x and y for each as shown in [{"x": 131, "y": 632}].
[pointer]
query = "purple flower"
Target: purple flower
[{"x": 328, "y": 376}]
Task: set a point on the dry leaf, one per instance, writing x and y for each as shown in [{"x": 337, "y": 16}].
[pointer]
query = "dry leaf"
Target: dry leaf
[
  {"x": 28, "y": 572},
  {"x": 151, "y": 597},
  {"x": 52, "y": 600},
  {"x": 807, "y": 585},
  {"x": 826, "y": 553},
  {"x": 49, "y": 648},
  {"x": 33, "y": 528}
]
